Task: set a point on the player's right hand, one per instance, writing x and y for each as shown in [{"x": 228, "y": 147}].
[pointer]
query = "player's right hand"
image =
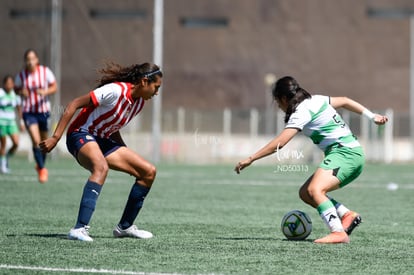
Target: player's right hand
[
  {"x": 48, "y": 144},
  {"x": 24, "y": 92}
]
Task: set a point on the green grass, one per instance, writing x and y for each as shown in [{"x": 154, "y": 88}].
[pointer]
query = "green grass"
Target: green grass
[{"x": 206, "y": 219}]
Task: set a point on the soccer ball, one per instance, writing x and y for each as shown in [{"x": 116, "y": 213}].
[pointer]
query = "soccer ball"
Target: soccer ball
[{"x": 296, "y": 225}]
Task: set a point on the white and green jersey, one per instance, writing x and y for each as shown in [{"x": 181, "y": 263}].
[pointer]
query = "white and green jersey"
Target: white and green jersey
[
  {"x": 317, "y": 119},
  {"x": 8, "y": 103}
]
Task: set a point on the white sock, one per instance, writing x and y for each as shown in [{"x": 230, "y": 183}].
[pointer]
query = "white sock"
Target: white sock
[
  {"x": 340, "y": 208},
  {"x": 328, "y": 213}
]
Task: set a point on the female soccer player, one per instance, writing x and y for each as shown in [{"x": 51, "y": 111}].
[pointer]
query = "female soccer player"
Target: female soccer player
[
  {"x": 34, "y": 84},
  {"x": 344, "y": 158},
  {"x": 93, "y": 138},
  {"x": 9, "y": 106}
]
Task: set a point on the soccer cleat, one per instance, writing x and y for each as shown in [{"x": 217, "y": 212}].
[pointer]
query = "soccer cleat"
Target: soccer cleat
[
  {"x": 4, "y": 165},
  {"x": 5, "y": 170},
  {"x": 43, "y": 174},
  {"x": 132, "y": 232},
  {"x": 350, "y": 220},
  {"x": 80, "y": 234},
  {"x": 334, "y": 237}
]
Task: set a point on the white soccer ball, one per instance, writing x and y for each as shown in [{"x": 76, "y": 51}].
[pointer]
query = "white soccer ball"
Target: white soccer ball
[
  {"x": 296, "y": 225},
  {"x": 392, "y": 186}
]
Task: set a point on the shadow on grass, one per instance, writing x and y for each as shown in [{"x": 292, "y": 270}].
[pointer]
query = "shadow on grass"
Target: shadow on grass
[
  {"x": 246, "y": 239},
  {"x": 306, "y": 241},
  {"x": 260, "y": 239},
  {"x": 50, "y": 235},
  {"x": 54, "y": 235}
]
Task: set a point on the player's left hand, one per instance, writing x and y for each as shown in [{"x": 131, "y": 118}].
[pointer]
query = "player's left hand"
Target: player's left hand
[
  {"x": 48, "y": 144},
  {"x": 22, "y": 127},
  {"x": 242, "y": 164},
  {"x": 380, "y": 119},
  {"x": 42, "y": 92}
]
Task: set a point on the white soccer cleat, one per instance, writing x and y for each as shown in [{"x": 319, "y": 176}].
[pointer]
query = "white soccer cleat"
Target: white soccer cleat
[
  {"x": 132, "y": 232},
  {"x": 80, "y": 234},
  {"x": 5, "y": 170}
]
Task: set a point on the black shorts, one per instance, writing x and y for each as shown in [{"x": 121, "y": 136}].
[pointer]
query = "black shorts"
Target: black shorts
[
  {"x": 41, "y": 119},
  {"x": 75, "y": 141}
]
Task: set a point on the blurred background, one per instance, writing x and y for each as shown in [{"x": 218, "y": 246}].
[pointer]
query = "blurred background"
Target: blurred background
[{"x": 219, "y": 59}]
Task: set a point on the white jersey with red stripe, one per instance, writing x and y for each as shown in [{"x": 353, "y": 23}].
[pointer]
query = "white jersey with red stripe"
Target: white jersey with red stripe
[
  {"x": 113, "y": 107},
  {"x": 41, "y": 78}
]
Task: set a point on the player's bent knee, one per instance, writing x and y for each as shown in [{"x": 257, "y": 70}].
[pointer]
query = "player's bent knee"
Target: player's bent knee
[
  {"x": 314, "y": 192},
  {"x": 101, "y": 169},
  {"x": 304, "y": 195},
  {"x": 150, "y": 174}
]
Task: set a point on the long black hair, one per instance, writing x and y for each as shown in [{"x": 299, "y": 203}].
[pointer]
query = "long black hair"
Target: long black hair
[
  {"x": 27, "y": 51},
  {"x": 133, "y": 74},
  {"x": 6, "y": 78},
  {"x": 289, "y": 88}
]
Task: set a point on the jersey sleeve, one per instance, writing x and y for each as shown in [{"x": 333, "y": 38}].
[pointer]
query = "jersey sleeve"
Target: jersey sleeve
[
  {"x": 18, "y": 82},
  {"x": 105, "y": 95},
  {"x": 50, "y": 77},
  {"x": 18, "y": 99},
  {"x": 325, "y": 98},
  {"x": 299, "y": 118}
]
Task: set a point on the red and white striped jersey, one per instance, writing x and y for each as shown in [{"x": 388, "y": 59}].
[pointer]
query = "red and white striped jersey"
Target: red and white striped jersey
[
  {"x": 41, "y": 78},
  {"x": 113, "y": 107}
]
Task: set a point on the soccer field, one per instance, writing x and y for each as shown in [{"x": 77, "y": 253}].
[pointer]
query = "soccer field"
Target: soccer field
[{"x": 206, "y": 220}]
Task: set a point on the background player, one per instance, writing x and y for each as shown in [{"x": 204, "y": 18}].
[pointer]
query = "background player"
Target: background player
[
  {"x": 34, "y": 84},
  {"x": 93, "y": 138},
  {"x": 344, "y": 159},
  {"x": 9, "y": 106}
]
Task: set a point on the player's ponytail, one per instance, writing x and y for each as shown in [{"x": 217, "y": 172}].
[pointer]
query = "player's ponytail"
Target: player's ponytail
[
  {"x": 133, "y": 74},
  {"x": 287, "y": 87}
]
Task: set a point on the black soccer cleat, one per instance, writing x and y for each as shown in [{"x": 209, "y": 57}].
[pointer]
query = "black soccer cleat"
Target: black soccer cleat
[{"x": 350, "y": 220}]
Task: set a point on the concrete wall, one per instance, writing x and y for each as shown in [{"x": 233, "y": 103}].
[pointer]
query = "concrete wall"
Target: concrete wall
[{"x": 330, "y": 46}]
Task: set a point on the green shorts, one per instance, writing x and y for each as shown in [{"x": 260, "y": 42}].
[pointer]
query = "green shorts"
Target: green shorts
[
  {"x": 346, "y": 163},
  {"x": 7, "y": 130}
]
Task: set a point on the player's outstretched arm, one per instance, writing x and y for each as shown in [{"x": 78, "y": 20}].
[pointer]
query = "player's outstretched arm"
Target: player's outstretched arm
[
  {"x": 353, "y": 106},
  {"x": 277, "y": 143},
  {"x": 48, "y": 144}
]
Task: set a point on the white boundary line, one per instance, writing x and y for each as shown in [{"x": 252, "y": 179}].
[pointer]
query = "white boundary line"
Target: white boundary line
[{"x": 79, "y": 270}]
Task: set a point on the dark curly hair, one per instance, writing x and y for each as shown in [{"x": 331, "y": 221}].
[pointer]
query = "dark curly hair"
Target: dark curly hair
[
  {"x": 289, "y": 88},
  {"x": 133, "y": 74}
]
